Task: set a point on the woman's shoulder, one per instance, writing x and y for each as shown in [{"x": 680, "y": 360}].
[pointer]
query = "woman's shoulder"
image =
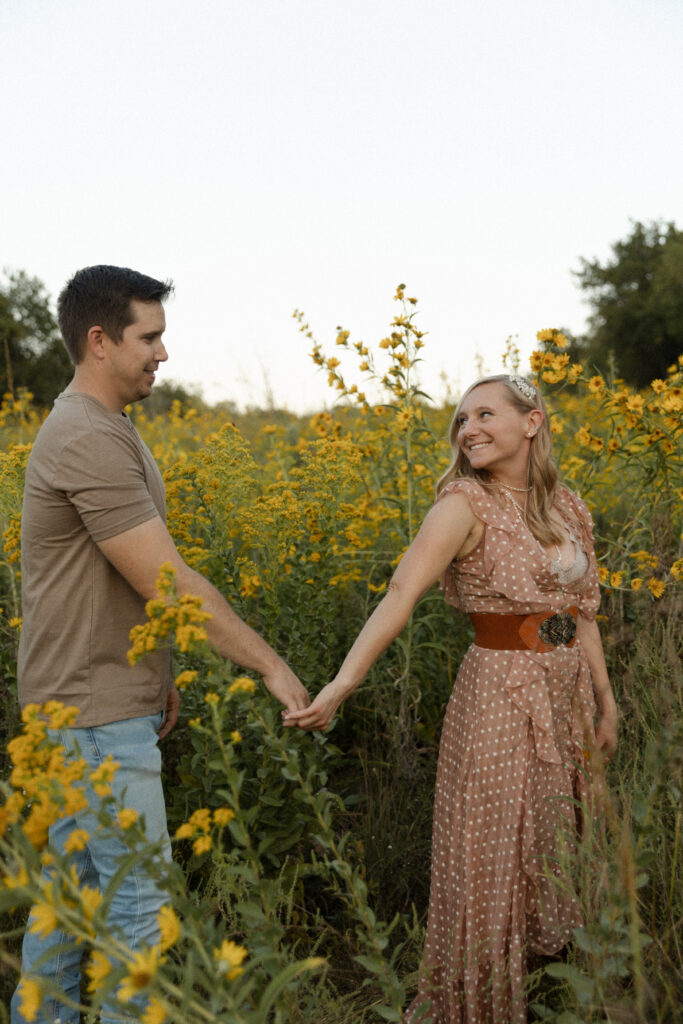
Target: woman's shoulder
[{"x": 483, "y": 503}]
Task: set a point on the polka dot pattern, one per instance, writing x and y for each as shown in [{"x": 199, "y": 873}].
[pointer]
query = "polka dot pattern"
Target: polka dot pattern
[{"x": 508, "y": 772}]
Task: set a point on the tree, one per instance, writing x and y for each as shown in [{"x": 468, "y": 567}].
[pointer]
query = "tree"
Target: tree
[
  {"x": 637, "y": 301},
  {"x": 32, "y": 355}
]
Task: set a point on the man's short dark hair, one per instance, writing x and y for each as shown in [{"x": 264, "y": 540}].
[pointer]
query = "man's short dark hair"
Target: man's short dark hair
[{"x": 101, "y": 296}]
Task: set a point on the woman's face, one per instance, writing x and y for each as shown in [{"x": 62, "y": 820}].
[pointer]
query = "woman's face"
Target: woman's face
[{"x": 494, "y": 434}]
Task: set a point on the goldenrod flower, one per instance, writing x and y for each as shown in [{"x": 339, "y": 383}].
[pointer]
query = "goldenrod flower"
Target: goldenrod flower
[
  {"x": 185, "y": 678},
  {"x": 169, "y": 926},
  {"x": 228, "y": 959},
  {"x": 222, "y": 815},
  {"x": 76, "y": 840},
  {"x": 102, "y": 776},
  {"x": 243, "y": 684},
  {"x": 202, "y": 845}
]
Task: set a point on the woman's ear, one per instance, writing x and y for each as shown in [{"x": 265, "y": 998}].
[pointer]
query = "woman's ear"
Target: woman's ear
[{"x": 534, "y": 421}]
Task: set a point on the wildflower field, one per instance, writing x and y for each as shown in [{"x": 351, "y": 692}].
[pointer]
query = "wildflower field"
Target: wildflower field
[{"x": 300, "y": 884}]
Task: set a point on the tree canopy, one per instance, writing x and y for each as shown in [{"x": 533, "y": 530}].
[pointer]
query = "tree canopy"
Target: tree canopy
[
  {"x": 637, "y": 301},
  {"x": 32, "y": 355}
]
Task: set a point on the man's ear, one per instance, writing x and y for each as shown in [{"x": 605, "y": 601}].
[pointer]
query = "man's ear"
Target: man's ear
[{"x": 95, "y": 341}]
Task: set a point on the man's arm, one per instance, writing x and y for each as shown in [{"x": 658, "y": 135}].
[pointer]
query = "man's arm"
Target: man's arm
[{"x": 138, "y": 555}]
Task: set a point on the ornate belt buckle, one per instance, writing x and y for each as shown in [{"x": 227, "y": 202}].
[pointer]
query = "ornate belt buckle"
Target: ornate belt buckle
[{"x": 558, "y": 629}]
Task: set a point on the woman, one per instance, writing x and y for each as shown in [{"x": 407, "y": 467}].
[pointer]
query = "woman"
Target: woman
[{"x": 514, "y": 549}]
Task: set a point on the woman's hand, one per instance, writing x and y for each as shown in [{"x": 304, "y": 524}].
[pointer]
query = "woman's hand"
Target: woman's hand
[
  {"x": 320, "y": 713},
  {"x": 606, "y": 732}
]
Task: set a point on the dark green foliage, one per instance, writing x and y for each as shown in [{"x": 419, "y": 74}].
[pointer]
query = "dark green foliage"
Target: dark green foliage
[
  {"x": 32, "y": 355},
  {"x": 637, "y": 301}
]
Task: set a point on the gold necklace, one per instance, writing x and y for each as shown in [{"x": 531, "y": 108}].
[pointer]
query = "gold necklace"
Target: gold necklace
[{"x": 521, "y": 515}]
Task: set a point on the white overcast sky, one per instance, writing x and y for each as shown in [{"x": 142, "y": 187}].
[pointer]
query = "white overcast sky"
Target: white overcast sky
[{"x": 314, "y": 153}]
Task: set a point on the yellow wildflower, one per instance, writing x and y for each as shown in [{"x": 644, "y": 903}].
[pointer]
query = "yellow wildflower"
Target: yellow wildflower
[
  {"x": 60, "y": 715},
  {"x": 201, "y": 819},
  {"x": 43, "y": 919},
  {"x": 185, "y": 678},
  {"x": 76, "y": 840},
  {"x": 141, "y": 970},
  {"x": 658, "y": 386},
  {"x": 603, "y": 572},
  {"x": 243, "y": 684},
  {"x": 184, "y": 831},
  {"x": 596, "y": 384},
  {"x": 202, "y": 845},
  {"x": 169, "y": 926},
  {"x": 636, "y": 583},
  {"x": 222, "y": 815},
  {"x": 677, "y": 569},
  {"x": 90, "y": 901},
  {"x": 127, "y": 817},
  {"x": 616, "y": 579},
  {"x": 228, "y": 959},
  {"x": 656, "y": 587},
  {"x": 97, "y": 969},
  {"x": 17, "y": 881},
  {"x": 212, "y": 698},
  {"x": 154, "y": 1012},
  {"x": 102, "y": 776},
  {"x": 236, "y": 736},
  {"x": 29, "y": 993}
]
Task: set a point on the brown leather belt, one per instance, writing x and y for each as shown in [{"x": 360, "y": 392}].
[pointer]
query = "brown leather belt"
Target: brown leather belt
[{"x": 541, "y": 632}]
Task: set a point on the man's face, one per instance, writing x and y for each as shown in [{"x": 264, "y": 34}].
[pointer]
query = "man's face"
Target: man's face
[{"x": 133, "y": 362}]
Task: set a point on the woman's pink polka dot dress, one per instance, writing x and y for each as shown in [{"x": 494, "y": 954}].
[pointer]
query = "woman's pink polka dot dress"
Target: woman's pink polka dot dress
[{"x": 513, "y": 739}]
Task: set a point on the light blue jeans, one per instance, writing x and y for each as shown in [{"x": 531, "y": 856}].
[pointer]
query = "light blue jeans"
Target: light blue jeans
[{"x": 138, "y": 898}]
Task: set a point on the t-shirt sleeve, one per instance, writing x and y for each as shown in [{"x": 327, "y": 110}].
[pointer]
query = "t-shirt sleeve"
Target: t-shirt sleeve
[{"x": 104, "y": 479}]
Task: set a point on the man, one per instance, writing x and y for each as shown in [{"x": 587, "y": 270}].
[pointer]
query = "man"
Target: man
[{"x": 93, "y": 540}]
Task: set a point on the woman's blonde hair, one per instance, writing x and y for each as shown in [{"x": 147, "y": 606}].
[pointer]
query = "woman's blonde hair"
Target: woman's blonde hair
[{"x": 542, "y": 474}]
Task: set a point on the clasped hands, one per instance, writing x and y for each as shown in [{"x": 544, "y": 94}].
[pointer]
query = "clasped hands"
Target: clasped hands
[{"x": 319, "y": 713}]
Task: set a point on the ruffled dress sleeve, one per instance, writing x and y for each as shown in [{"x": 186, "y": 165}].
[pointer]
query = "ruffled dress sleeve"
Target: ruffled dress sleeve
[
  {"x": 475, "y": 574},
  {"x": 577, "y": 511}
]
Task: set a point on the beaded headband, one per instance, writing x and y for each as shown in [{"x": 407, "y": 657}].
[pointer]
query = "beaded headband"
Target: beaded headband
[{"x": 523, "y": 385}]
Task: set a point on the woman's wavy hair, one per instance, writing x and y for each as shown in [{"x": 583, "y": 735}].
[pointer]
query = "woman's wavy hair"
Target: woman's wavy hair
[{"x": 542, "y": 472}]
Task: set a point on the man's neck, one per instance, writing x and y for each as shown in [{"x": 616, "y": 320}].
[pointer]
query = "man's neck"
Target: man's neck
[{"x": 87, "y": 383}]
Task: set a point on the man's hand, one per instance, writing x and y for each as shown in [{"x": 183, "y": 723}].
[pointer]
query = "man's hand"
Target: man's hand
[
  {"x": 284, "y": 685},
  {"x": 170, "y": 712},
  {"x": 320, "y": 713}
]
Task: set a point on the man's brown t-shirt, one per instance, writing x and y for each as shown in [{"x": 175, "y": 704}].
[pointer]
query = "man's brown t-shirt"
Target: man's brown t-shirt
[{"x": 89, "y": 477}]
